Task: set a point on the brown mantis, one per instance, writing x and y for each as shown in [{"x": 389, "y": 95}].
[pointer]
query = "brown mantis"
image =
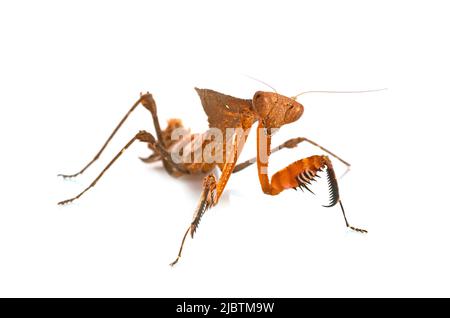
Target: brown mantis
[{"x": 226, "y": 113}]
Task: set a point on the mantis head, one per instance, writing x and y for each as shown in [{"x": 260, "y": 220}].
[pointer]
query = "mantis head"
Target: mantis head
[{"x": 275, "y": 110}]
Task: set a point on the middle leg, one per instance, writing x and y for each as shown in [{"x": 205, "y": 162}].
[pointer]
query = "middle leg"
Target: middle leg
[
  {"x": 142, "y": 136},
  {"x": 291, "y": 143}
]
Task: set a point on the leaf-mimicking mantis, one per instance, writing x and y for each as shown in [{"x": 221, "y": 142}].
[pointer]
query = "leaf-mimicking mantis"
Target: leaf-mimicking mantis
[{"x": 269, "y": 110}]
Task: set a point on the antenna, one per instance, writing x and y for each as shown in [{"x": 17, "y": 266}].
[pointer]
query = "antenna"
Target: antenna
[
  {"x": 255, "y": 79},
  {"x": 340, "y": 92}
]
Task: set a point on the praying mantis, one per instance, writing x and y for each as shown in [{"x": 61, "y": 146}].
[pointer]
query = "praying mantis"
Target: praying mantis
[{"x": 230, "y": 120}]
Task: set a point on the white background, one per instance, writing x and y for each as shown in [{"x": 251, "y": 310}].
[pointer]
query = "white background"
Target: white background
[{"x": 70, "y": 71}]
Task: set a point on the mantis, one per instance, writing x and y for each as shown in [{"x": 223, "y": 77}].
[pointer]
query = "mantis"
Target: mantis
[{"x": 232, "y": 117}]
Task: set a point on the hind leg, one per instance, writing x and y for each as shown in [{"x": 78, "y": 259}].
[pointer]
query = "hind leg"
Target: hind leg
[
  {"x": 149, "y": 103},
  {"x": 163, "y": 135}
]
